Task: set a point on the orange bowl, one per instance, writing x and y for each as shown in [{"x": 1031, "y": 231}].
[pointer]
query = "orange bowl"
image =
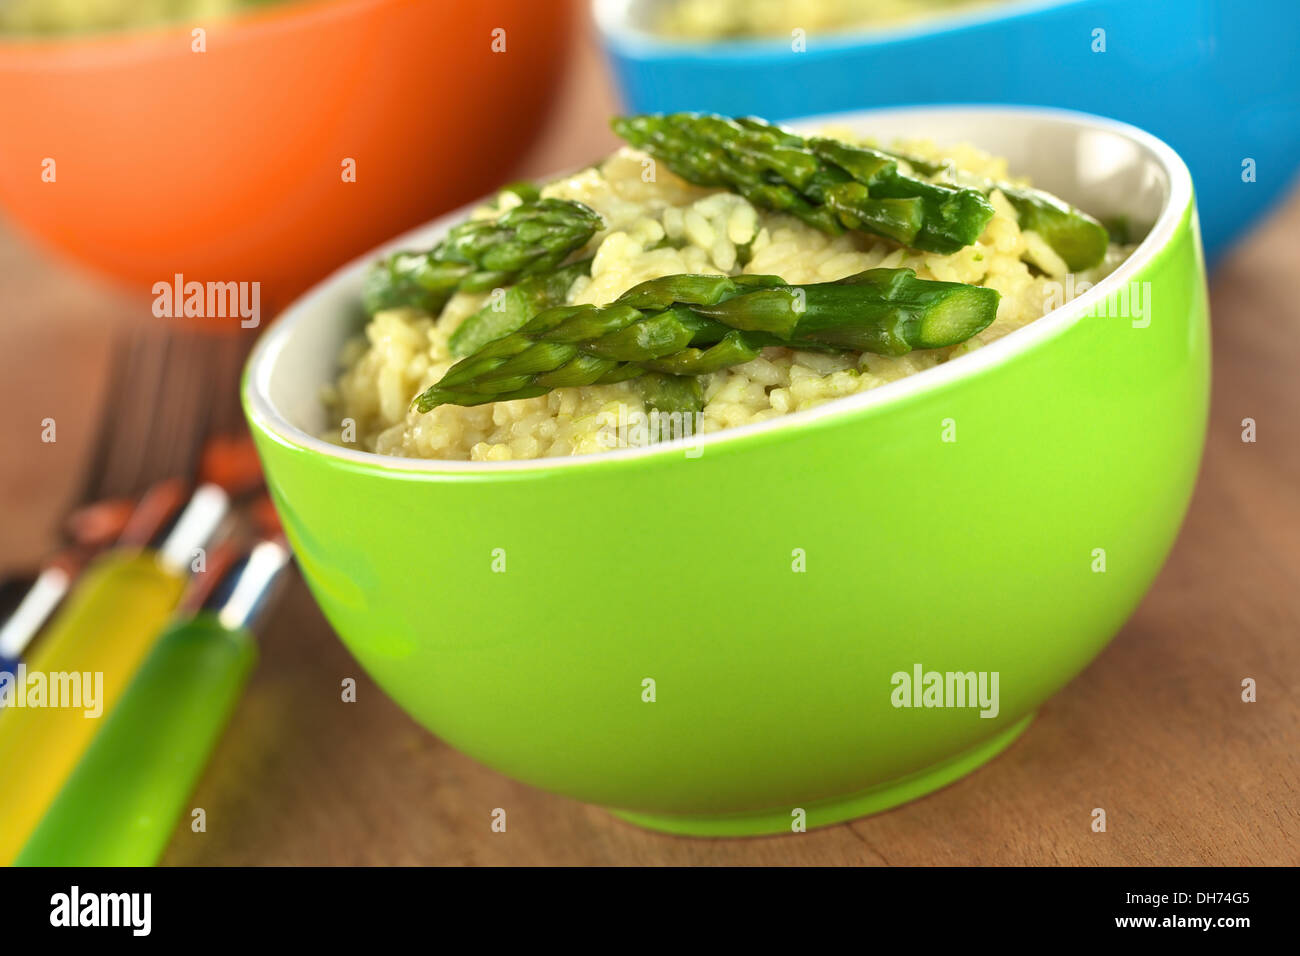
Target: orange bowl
[{"x": 228, "y": 164}]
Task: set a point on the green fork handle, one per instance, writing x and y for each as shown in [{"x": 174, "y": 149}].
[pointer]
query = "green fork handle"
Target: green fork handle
[{"x": 121, "y": 803}]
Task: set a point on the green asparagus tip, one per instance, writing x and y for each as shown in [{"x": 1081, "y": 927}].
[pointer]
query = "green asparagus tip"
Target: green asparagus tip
[
  {"x": 430, "y": 399},
  {"x": 1079, "y": 239},
  {"x": 829, "y": 185},
  {"x": 532, "y": 238}
]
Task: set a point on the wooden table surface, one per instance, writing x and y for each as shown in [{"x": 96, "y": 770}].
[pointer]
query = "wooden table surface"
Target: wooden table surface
[{"x": 1155, "y": 731}]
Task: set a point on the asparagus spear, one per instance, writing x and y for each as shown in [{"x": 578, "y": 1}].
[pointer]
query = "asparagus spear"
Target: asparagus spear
[
  {"x": 671, "y": 393},
  {"x": 692, "y": 325},
  {"x": 1075, "y": 236},
  {"x": 520, "y": 303},
  {"x": 525, "y": 189},
  {"x": 829, "y": 185},
  {"x": 1078, "y": 238},
  {"x": 482, "y": 254}
]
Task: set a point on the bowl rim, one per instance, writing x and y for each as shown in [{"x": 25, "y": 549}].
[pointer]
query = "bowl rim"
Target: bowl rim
[
  {"x": 1179, "y": 206},
  {"x": 611, "y": 23}
]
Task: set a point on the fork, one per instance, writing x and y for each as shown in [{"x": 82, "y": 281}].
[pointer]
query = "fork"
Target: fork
[{"x": 169, "y": 389}]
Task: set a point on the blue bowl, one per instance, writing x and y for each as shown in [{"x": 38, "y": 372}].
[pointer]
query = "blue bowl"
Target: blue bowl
[{"x": 1219, "y": 84}]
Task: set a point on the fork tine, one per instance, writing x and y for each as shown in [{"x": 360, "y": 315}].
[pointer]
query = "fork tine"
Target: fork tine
[
  {"x": 92, "y": 488},
  {"x": 169, "y": 389}
]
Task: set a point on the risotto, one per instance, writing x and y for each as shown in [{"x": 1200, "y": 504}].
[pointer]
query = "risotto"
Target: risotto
[{"x": 657, "y": 225}]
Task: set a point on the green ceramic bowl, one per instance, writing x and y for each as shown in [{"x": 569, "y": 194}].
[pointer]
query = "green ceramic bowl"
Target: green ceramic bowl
[{"x": 712, "y": 640}]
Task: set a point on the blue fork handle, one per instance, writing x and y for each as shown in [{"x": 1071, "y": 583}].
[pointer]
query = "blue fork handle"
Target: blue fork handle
[{"x": 9, "y": 666}]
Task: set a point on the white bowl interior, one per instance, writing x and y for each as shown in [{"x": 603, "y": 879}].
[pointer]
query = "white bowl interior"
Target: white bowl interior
[{"x": 1102, "y": 166}]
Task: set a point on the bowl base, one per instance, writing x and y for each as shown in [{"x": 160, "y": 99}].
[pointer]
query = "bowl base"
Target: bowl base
[{"x": 837, "y": 809}]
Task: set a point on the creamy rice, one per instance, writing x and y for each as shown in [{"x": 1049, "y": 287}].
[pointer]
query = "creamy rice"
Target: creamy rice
[{"x": 662, "y": 228}]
